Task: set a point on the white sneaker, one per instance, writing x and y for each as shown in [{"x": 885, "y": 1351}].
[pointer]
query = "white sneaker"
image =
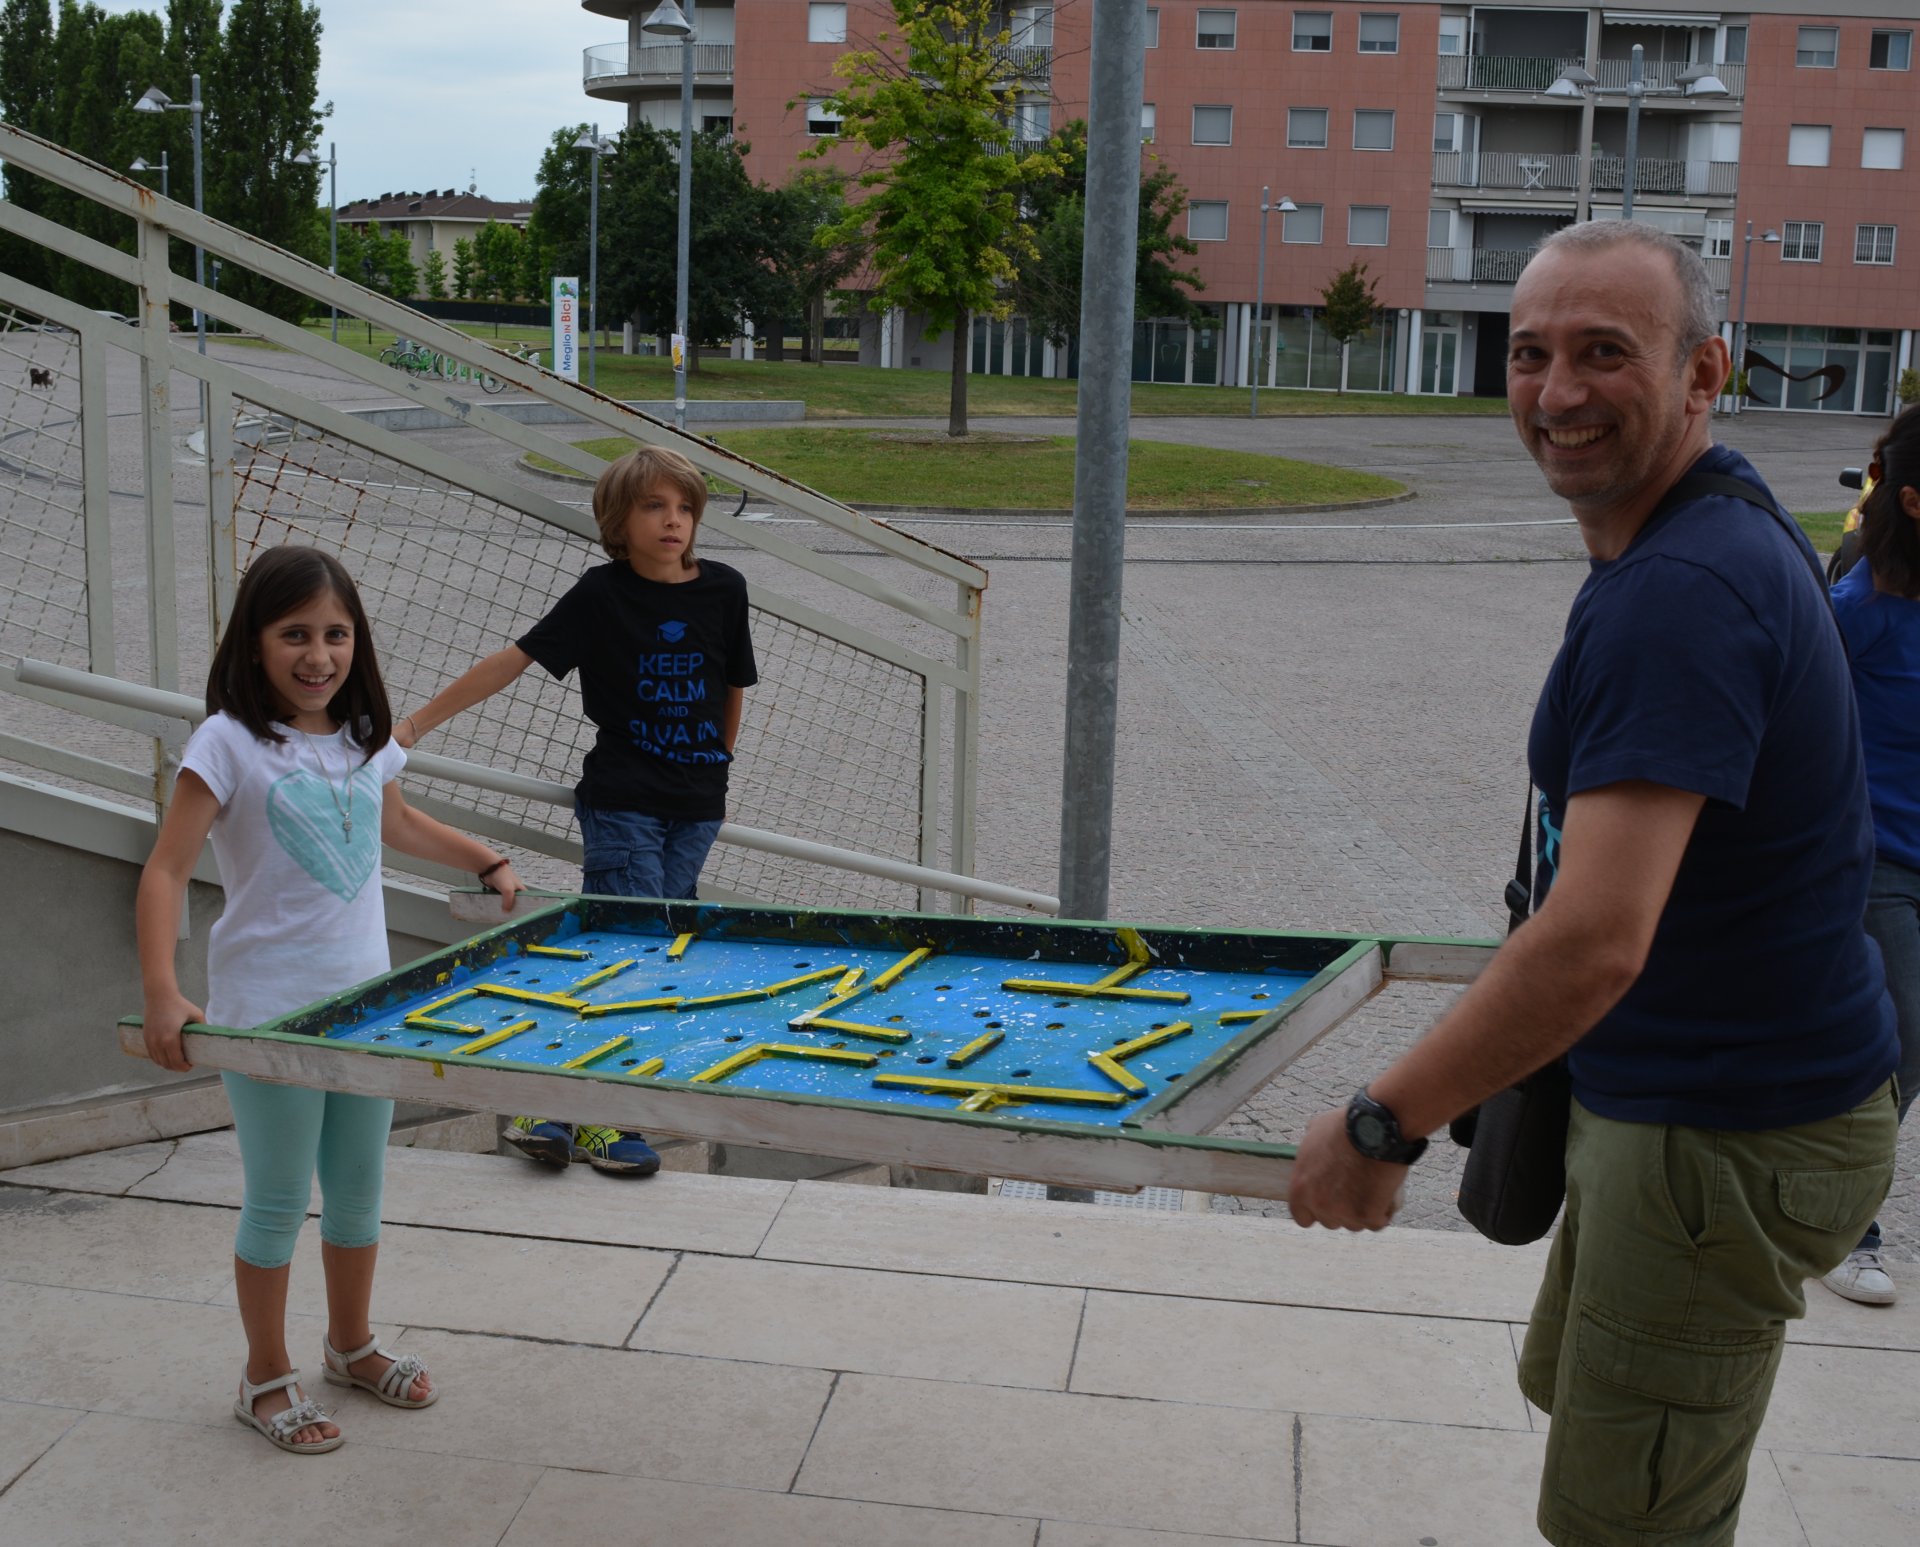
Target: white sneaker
[{"x": 1862, "y": 1279}]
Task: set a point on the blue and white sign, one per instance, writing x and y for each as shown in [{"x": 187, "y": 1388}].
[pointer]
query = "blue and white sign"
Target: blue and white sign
[{"x": 566, "y": 328}]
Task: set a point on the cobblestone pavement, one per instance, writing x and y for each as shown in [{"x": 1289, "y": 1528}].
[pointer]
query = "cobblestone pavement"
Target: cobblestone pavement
[{"x": 1322, "y": 716}]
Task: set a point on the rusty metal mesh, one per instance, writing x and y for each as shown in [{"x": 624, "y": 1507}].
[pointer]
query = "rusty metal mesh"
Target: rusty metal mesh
[{"x": 830, "y": 744}]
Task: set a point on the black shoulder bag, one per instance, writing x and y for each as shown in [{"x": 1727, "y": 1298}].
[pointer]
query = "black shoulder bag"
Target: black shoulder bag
[{"x": 1516, "y": 1173}]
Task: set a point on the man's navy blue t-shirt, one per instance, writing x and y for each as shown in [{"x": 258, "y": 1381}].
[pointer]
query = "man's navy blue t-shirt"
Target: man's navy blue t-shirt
[{"x": 1705, "y": 658}]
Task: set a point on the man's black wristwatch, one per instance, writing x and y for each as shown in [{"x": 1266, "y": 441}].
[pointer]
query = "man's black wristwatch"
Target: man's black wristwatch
[{"x": 1375, "y": 1132}]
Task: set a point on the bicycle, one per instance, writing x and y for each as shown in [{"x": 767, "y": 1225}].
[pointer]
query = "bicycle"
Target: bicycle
[
  {"x": 521, "y": 354},
  {"x": 405, "y": 355}
]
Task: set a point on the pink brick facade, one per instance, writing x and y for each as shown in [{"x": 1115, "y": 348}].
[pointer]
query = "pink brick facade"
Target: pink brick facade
[{"x": 1466, "y": 197}]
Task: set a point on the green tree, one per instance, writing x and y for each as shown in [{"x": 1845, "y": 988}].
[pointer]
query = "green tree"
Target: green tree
[
  {"x": 1348, "y": 305},
  {"x": 941, "y": 219},
  {"x": 806, "y": 272},
  {"x": 26, "y": 102},
  {"x": 729, "y": 276},
  {"x": 558, "y": 225},
  {"x": 463, "y": 267},
  {"x": 261, "y": 112},
  {"x": 436, "y": 274},
  {"x": 496, "y": 257},
  {"x": 1046, "y": 289}
]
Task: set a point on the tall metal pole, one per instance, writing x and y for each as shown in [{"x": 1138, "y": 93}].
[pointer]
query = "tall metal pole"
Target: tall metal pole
[
  {"x": 1259, "y": 305},
  {"x": 1636, "y": 88},
  {"x": 685, "y": 239},
  {"x": 163, "y": 174},
  {"x": 593, "y": 264},
  {"x": 199, "y": 252},
  {"x": 1117, "y": 76},
  {"x": 333, "y": 229}
]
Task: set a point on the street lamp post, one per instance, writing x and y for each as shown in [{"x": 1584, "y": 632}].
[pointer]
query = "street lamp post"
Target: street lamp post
[
  {"x": 154, "y": 100},
  {"x": 591, "y": 141},
  {"x": 141, "y": 164},
  {"x": 307, "y": 158},
  {"x": 669, "y": 21},
  {"x": 1285, "y": 206},
  {"x": 1575, "y": 84},
  {"x": 1740, "y": 325}
]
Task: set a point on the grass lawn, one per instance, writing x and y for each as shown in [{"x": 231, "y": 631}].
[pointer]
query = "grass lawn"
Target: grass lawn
[
  {"x": 989, "y": 471},
  {"x": 838, "y": 391},
  {"x": 1822, "y": 527}
]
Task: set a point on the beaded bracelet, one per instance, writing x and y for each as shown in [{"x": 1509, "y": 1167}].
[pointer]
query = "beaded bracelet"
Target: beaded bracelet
[{"x": 496, "y": 865}]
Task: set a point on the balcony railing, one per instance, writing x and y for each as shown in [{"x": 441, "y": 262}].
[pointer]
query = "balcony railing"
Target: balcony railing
[
  {"x": 1501, "y": 72},
  {"x": 658, "y": 63},
  {"x": 1532, "y": 72},
  {"x": 1477, "y": 265},
  {"x": 1653, "y": 174},
  {"x": 1028, "y": 61},
  {"x": 1551, "y": 174},
  {"x": 1611, "y": 75},
  {"x": 1499, "y": 265},
  {"x": 1506, "y": 169}
]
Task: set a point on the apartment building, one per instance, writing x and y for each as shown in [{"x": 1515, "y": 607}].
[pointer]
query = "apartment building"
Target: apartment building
[
  {"x": 1437, "y": 142},
  {"x": 434, "y": 220}
]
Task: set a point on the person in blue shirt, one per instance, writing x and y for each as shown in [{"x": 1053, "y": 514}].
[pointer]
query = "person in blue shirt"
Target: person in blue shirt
[
  {"x": 1878, "y": 605},
  {"x": 1695, "y": 946}
]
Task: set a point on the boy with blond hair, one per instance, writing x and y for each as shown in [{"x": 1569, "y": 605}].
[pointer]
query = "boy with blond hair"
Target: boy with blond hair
[{"x": 662, "y": 646}]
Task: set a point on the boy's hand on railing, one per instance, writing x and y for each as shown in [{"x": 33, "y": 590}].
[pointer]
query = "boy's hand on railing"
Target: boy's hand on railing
[{"x": 161, "y": 1026}]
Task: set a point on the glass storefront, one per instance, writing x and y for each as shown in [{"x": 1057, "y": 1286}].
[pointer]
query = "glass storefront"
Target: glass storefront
[
  {"x": 1294, "y": 351},
  {"x": 1827, "y": 370}
]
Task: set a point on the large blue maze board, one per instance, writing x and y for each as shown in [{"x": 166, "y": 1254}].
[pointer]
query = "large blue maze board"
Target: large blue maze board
[{"x": 727, "y": 1000}]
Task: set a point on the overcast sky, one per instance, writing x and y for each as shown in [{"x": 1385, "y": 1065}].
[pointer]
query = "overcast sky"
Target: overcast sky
[{"x": 440, "y": 93}]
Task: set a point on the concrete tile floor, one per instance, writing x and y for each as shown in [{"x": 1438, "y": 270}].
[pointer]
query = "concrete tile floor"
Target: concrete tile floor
[{"x": 872, "y": 1367}]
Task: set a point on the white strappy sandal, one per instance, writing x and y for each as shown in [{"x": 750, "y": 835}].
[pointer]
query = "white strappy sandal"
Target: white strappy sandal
[
  {"x": 394, "y": 1383},
  {"x": 282, "y": 1426}
]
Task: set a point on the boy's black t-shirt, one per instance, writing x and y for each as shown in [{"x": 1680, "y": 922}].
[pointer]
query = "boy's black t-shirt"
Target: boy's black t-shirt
[{"x": 655, "y": 663}]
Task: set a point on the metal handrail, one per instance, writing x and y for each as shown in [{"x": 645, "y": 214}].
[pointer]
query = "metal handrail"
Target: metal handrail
[{"x": 179, "y": 706}]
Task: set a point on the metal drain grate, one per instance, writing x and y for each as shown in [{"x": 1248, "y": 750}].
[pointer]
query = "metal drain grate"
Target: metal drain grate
[{"x": 1170, "y": 1198}]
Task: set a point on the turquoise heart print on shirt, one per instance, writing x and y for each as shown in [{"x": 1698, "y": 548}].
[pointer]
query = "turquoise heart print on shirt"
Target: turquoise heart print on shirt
[{"x": 302, "y": 812}]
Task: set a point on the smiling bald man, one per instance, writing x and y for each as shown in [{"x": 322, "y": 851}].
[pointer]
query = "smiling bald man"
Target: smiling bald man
[{"x": 1695, "y": 945}]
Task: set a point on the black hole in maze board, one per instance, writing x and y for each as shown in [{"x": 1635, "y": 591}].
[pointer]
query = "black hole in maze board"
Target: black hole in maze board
[
  {"x": 628, "y": 1063},
  {"x": 734, "y": 1038},
  {"x": 981, "y": 1015},
  {"x": 1021, "y": 1074},
  {"x": 923, "y": 1059},
  {"x": 551, "y": 1046}
]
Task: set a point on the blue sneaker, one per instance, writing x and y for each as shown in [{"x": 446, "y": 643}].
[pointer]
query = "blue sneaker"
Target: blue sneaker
[
  {"x": 615, "y": 1151},
  {"x": 538, "y": 1139}
]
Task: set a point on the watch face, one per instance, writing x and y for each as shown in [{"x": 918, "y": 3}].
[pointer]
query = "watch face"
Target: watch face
[{"x": 1369, "y": 1131}]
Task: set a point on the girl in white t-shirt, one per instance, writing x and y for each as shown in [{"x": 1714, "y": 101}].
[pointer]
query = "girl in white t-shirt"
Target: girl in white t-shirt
[{"x": 291, "y": 776}]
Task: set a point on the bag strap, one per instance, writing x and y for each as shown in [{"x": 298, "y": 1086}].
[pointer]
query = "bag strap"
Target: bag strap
[
  {"x": 1519, "y": 896},
  {"x": 1696, "y": 484}
]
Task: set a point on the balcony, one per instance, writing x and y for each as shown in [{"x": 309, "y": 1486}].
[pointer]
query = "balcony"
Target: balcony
[
  {"x": 1535, "y": 73},
  {"x": 1611, "y": 75},
  {"x": 1673, "y": 179},
  {"x": 1027, "y": 61},
  {"x": 1560, "y": 174},
  {"x": 1501, "y": 72},
  {"x": 1502, "y": 266},
  {"x": 1506, "y": 169},
  {"x": 1477, "y": 265},
  {"x": 613, "y": 66}
]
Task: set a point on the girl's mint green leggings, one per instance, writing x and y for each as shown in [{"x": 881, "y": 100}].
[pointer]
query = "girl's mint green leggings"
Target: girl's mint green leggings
[{"x": 286, "y": 1134}]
